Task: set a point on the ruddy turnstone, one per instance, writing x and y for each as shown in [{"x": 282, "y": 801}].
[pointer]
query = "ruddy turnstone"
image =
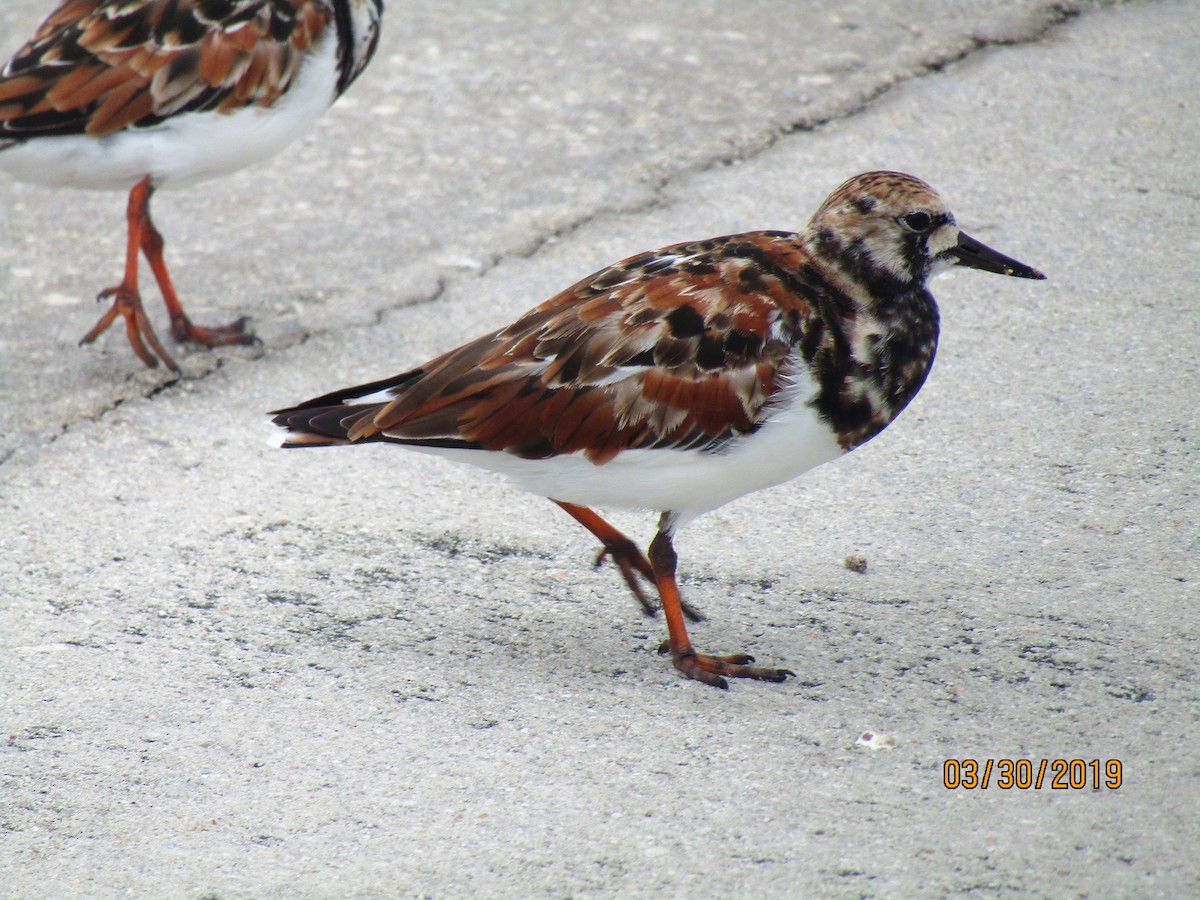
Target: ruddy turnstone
[
  {"x": 683, "y": 378},
  {"x": 140, "y": 94}
]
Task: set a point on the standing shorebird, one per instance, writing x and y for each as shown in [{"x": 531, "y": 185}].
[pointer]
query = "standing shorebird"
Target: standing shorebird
[
  {"x": 683, "y": 378},
  {"x": 134, "y": 95}
]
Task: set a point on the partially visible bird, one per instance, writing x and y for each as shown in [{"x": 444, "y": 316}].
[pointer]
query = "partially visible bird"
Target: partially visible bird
[
  {"x": 134, "y": 95},
  {"x": 683, "y": 378}
]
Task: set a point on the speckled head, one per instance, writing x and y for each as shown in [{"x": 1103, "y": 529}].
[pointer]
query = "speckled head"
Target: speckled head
[{"x": 893, "y": 232}]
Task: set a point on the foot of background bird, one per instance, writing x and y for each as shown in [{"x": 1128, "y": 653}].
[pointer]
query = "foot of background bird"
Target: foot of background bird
[
  {"x": 127, "y": 304},
  {"x": 235, "y": 332},
  {"x": 710, "y": 669},
  {"x": 632, "y": 562}
]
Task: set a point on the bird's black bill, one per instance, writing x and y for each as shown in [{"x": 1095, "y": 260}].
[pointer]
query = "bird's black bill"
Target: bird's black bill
[{"x": 975, "y": 255}]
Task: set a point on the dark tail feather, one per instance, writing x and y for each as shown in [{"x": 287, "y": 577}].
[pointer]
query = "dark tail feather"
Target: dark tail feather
[
  {"x": 326, "y": 421},
  {"x": 349, "y": 395},
  {"x": 321, "y": 426}
]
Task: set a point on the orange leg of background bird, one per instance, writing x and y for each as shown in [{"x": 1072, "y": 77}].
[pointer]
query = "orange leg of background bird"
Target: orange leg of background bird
[
  {"x": 708, "y": 669},
  {"x": 127, "y": 301},
  {"x": 625, "y": 554},
  {"x": 182, "y": 328}
]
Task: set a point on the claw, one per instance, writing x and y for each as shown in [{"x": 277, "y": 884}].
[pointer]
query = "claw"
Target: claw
[
  {"x": 183, "y": 330},
  {"x": 128, "y": 304},
  {"x": 710, "y": 669}
]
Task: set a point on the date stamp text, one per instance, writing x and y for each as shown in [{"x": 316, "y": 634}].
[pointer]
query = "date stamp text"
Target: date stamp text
[{"x": 1029, "y": 774}]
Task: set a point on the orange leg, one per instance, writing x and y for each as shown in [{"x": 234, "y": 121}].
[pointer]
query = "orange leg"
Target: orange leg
[
  {"x": 127, "y": 301},
  {"x": 708, "y": 669},
  {"x": 182, "y": 328},
  {"x": 625, "y": 554}
]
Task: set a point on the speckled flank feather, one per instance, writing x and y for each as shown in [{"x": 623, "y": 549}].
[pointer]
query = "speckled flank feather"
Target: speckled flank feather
[{"x": 683, "y": 378}]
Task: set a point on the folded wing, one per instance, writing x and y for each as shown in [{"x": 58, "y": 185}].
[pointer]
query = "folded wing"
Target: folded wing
[{"x": 683, "y": 347}]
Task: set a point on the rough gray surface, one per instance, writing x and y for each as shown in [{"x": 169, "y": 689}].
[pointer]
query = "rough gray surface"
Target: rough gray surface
[{"x": 235, "y": 672}]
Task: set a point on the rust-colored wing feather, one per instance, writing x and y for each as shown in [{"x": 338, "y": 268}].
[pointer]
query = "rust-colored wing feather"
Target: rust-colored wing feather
[
  {"x": 97, "y": 66},
  {"x": 684, "y": 347}
]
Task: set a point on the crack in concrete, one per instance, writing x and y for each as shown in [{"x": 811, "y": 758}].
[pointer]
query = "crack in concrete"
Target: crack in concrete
[{"x": 1058, "y": 14}]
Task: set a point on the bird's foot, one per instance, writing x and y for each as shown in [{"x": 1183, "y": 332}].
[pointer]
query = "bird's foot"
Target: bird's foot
[
  {"x": 714, "y": 670},
  {"x": 631, "y": 563},
  {"x": 127, "y": 303},
  {"x": 183, "y": 330}
]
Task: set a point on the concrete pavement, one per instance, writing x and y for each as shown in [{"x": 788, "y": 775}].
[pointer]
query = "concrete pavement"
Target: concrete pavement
[{"x": 235, "y": 672}]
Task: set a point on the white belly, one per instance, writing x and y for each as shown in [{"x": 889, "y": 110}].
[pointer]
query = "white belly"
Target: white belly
[
  {"x": 686, "y": 482},
  {"x": 187, "y": 148}
]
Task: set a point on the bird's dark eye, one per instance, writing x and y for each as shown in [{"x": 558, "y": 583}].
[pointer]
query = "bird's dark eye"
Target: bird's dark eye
[{"x": 918, "y": 222}]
